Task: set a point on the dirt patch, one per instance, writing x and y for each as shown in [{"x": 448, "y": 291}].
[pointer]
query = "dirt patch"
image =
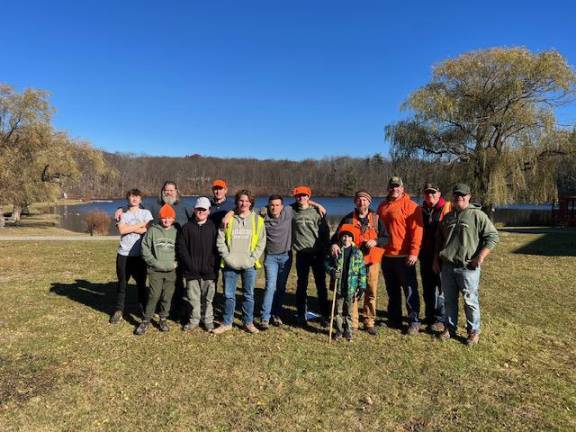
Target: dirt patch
[{"x": 24, "y": 378}]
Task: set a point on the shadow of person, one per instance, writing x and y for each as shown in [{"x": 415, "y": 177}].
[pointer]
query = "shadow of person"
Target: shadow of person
[{"x": 98, "y": 296}]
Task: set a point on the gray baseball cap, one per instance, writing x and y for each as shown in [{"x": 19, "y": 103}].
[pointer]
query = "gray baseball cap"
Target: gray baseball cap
[{"x": 202, "y": 202}]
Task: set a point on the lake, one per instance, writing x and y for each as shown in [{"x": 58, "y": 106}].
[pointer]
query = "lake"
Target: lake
[{"x": 72, "y": 217}]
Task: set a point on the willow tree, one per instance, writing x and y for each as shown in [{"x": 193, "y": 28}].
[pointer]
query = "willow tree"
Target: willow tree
[
  {"x": 480, "y": 106},
  {"x": 37, "y": 160}
]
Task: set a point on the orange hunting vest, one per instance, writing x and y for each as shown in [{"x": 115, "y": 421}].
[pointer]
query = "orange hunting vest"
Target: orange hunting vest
[{"x": 369, "y": 232}]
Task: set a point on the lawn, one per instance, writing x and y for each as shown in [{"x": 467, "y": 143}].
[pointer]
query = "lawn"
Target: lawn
[{"x": 63, "y": 367}]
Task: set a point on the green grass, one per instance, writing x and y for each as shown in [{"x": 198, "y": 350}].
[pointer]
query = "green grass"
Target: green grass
[{"x": 63, "y": 367}]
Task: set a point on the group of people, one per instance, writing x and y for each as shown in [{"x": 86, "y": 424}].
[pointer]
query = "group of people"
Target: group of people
[{"x": 186, "y": 250}]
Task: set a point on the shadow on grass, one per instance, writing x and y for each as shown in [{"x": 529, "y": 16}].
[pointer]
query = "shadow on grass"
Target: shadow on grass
[{"x": 552, "y": 242}]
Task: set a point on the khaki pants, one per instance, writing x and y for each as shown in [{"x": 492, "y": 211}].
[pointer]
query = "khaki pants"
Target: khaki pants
[{"x": 369, "y": 309}]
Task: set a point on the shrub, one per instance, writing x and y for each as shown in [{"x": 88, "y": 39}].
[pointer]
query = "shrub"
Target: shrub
[{"x": 97, "y": 222}]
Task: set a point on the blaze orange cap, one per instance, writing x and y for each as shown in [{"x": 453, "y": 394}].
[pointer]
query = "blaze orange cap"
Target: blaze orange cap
[
  {"x": 219, "y": 183},
  {"x": 350, "y": 229},
  {"x": 166, "y": 211},
  {"x": 302, "y": 190}
]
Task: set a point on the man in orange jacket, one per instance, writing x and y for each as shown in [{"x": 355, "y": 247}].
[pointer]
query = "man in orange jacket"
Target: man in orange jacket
[{"x": 403, "y": 221}]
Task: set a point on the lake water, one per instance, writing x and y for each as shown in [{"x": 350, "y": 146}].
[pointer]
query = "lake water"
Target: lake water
[{"x": 72, "y": 217}]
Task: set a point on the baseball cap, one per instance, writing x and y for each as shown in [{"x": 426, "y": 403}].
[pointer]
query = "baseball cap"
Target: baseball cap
[
  {"x": 395, "y": 181},
  {"x": 430, "y": 186},
  {"x": 219, "y": 183},
  {"x": 302, "y": 190},
  {"x": 461, "y": 188},
  {"x": 202, "y": 202}
]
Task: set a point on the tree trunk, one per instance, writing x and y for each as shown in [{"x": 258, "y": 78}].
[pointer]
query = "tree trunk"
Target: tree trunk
[{"x": 16, "y": 212}]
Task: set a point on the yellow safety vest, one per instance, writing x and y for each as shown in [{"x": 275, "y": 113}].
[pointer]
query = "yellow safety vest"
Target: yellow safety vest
[{"x": 258, "y": 222}]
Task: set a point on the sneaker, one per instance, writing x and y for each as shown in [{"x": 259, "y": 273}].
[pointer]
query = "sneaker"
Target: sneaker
[
  {"x": 473, "y": 338},
  {"x": 437, "y": 327},
  {"x": 347, "y": 335},
  {"x": 337, "y": 336},
  {"x": 276, "y": 321},
  {"x": 445, "y": 335},
  {"x": 264, "y": 325},
  {"x": 223, "y": 328},
  {"x": 371, "y": 331},
  {"x": 251, "y": 328},
  {"x": 141, "y": 329},
  {"x": 116, "y": 317},
  {"x": 188, "y": 327},
  {"x": 414, "y": 329},
  {"x": 163, "y": 325}
]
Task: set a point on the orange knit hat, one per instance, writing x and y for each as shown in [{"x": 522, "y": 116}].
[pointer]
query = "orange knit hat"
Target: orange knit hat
[
  {"x": 167, "y": 212},
  {"x": 350, "y": 229}
]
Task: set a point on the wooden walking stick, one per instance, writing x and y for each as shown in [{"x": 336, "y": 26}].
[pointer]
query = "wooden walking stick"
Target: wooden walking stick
[{"x": 336, "y": 283}]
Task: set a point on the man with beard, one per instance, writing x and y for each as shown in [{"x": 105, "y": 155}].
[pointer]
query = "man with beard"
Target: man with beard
[{"x": 168, "y": 195}]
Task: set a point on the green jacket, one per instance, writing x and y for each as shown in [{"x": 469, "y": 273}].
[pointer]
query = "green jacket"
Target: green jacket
[
  {"x": 462, "y": 234},
  {"x": 356, "y": 271},
  {"x": 310, "y": 231},
  {"x": 158, "y": 248}
]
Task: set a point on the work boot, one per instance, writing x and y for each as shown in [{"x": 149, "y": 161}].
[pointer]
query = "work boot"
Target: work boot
[
  {"x": 223, "y": 328},
  {"x": 141, "y": 329},
  {"x": 371, "y": 331},
  {"x": 251, "y": 328},
  {"x": 163, "y": 325},
  {"x": 276, "y": 321},
  {"x": 473, "y": 338},
  {"x": 437, "y": 327},
  {"x": 116, "y": 317},
  {"x": 188, "y": 327},
  {"x": 445, "y": 335},
  {"x": 264, "y": 325},
  {"x": 347, "y": 335},
  {"x": 413, "y": 329},
  {"x": 337, "y": 336}
]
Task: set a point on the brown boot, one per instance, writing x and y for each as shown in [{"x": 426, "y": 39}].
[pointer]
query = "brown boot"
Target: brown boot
[
  {"x": 223, "y": 328},
  {"x": 473, "y": 338},
  {"x": 251, "y": 328},
  {"x": 437, "y": 327}
]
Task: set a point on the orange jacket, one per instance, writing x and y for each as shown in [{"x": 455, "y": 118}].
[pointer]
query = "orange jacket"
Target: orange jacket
[{"x": 403, "y": 221}]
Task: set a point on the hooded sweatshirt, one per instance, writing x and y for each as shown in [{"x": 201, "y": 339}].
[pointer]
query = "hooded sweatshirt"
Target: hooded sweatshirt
[
  {"x": 462, "y": 234},
  {"x": 403, "y": 221},
  {"x": 237, "y": 255},
  {"x": 159, "y": 248}
]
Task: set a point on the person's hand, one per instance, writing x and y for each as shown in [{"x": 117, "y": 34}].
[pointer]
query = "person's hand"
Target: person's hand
[
  {"x": 411, "y": 260},
  {"x": 226, "y": 219},
  {"x": 337, "y": 273},
  {"x": 370, "y": 244},
  {"x": 475, "y": 262},
  {"x": 436, "y": 266},
  {"x": 321, "y": 209},
  {"x": 335, "y": 249},
  {"x": 175, "y": 264},
  {"x": 141, "y": 230},
  {"x": 118, "y": 214}
]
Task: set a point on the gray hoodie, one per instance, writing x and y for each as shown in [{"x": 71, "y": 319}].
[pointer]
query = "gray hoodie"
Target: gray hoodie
[{"x": 237, "y": 255}]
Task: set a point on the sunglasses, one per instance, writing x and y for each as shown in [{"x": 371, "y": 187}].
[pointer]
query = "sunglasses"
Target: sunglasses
[
  {"x": 459, "y": 194},
  {"x": 200, "y": 209}
]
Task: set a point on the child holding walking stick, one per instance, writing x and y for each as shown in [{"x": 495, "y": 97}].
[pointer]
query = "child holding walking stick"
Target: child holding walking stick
[{"x": 348, "y": 274}]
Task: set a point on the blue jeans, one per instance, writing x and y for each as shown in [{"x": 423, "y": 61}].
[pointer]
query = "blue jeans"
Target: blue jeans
[
  {"x": 248, "y": 282},
  {"x": 277, "y": 268},
  {"x": 456, "y": 279}
]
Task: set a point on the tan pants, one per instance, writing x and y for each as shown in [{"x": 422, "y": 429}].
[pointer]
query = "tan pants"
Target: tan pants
[{"x": 369, "y": 309}]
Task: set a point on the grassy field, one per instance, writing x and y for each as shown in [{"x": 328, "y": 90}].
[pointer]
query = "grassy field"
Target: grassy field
[{"x": 63, "y": 367}]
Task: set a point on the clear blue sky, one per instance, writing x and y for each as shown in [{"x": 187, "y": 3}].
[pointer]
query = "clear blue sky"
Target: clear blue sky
[{"x": 268, "y": 79}]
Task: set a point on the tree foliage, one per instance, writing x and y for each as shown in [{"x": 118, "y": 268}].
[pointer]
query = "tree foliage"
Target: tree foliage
[
  {"x": 37, "y": 161},
  {"x": 483, "y": 109}
]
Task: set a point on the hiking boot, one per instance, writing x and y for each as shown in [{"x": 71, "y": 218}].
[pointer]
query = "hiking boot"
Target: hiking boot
[
  {"x": 337, "y": 336},
  {"x": 141, "y": 329},
  {"x": 371, "y": 331},
  {"x": 276, "y": 321},
  {"x": 163, "y": 325},
  {"x": 324, "y": 322},
  {"x": 188, "y": 327},
  {"x": 445, "y": 335},
  {"x": 347, "y": 335},
  {"x": 251, "y": 328},
  {"x": 116, "y": 317},
  {"x": 473, "y": 338},
  {"x": 223, "y": 328},
  {"x": 264, "y": 325},
  {"x": 437, "y": 327},
  {"x": 413, "y": 329}
]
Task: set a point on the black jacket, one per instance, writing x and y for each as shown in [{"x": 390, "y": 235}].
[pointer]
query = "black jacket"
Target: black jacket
[{"x": 196, "y": 248}]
